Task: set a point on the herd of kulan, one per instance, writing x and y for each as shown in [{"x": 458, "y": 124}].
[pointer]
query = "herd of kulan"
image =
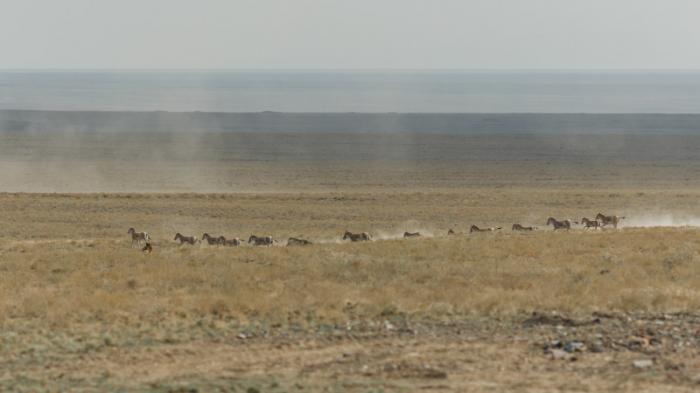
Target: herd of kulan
[{"x": 143, "y": 239}]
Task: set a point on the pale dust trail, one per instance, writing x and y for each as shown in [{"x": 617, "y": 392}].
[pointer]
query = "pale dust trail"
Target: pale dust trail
[{"x": 661, "y": 220}]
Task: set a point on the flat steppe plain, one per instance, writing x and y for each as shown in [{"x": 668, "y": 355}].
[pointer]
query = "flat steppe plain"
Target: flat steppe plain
[{"x": 82, "y": 310}]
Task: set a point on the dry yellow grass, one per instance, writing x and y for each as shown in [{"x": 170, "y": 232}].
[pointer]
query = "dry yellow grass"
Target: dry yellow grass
[
  {"x": 68, "y": 258},
  {"x": 501, "y": 274},
  {"x": 82, "y": 310}
]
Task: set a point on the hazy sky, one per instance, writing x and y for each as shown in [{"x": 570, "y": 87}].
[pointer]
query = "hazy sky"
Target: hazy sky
[{"x": 350, "y": 34}]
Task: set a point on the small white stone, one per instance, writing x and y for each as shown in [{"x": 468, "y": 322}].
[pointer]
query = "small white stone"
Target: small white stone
[{"x": 643, "y": 363}]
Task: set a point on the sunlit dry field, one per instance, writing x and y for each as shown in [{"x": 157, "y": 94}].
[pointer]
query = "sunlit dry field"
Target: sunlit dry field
[
  {"x": 80, "y": 304},
  {"x": 78, "y": 243},
  {"x": 83, "y": 310}
]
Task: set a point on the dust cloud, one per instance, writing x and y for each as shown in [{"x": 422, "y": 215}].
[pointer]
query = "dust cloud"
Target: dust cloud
[
  {"x": 661, "y": 220},
  {"x": 281, "y": 152}
]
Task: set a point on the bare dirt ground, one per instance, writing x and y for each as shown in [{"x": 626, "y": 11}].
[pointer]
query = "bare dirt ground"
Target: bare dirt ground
[
  {"x": 610, "y": 310},
  {"x": 609, "y": 353}
]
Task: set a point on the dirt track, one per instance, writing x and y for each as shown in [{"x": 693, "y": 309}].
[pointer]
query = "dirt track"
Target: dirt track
[{"x": 389, "y": 355}]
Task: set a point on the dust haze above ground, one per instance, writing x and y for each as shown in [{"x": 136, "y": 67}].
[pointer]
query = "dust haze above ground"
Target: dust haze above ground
[{"x": 230, "y": 153}]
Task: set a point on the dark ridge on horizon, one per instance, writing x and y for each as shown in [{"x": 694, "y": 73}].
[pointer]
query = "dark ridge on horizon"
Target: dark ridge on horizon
[{"x": 349, "y": 122}]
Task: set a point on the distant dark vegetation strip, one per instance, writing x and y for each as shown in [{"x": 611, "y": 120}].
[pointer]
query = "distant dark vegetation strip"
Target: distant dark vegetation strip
[{"x": 471, "y": 123}]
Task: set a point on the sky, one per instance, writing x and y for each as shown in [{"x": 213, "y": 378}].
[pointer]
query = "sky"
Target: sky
[{"x": 350, "y": 34}]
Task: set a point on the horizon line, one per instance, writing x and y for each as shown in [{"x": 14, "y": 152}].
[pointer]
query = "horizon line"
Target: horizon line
[
  {"x": 394, "y": 113},
  {"x": 379, "y": 69}
]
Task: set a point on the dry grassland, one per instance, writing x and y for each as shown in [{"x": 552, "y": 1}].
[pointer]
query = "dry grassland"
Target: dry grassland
[
  {"x": 503, "y": 274},
  {"x": 81, "y": 309}
]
